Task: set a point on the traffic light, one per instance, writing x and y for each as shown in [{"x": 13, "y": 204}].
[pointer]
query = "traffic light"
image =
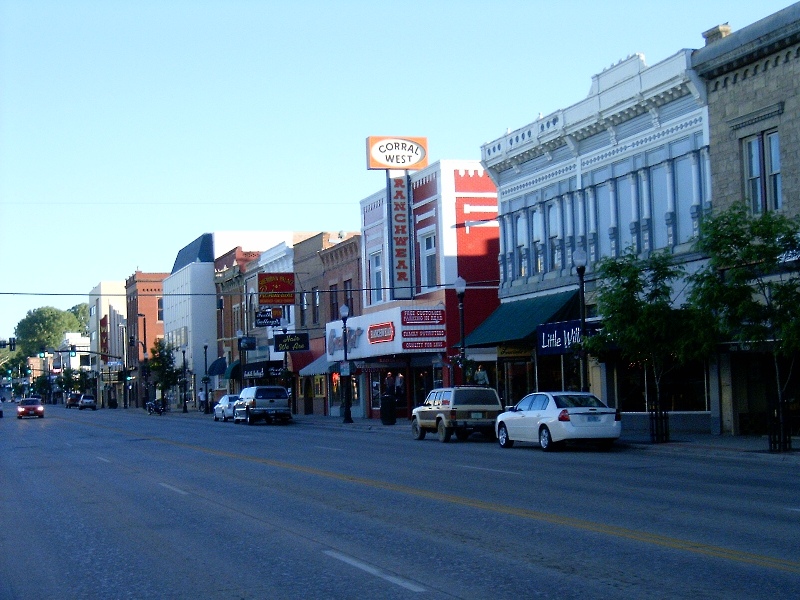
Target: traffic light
[
  {"x": 2, "y": 343},
  {"x": 42, "y": 352},
  {"x": 12, "y": 344},
  {"x": 72, "y": 350}
]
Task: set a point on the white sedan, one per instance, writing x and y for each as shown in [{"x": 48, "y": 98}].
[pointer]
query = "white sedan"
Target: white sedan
[
  {"x": 224, "y": 408},
  {"x": 553, "y": 418}
]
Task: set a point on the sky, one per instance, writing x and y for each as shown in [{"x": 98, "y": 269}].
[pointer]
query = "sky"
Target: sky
[{"x": 130, "y": 128}]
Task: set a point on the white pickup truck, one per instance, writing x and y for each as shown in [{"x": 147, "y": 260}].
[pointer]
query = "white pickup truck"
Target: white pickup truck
[{"x": 262, "y": 403}]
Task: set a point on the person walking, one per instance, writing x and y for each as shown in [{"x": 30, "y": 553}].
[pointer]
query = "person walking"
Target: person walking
[
  {"x": 400, "y": 388},
  {"x": 480, "y": 377}
]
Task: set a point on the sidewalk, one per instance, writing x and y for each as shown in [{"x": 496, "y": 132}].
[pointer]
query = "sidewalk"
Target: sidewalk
[{"x": 698, "y": 444}]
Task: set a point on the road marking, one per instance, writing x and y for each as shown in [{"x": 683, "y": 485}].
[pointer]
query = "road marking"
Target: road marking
[
  {"x": 174, "y": 489},
  {"x": 103, "y": 459},
  {"x": 405, "y": 583},
  {"x": 490, "y": 470}
]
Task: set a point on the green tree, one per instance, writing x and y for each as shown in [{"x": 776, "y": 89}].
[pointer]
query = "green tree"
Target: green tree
[
  {"x": 68, "y": 380},
  {"x": 635, "y": 297},
  {"x": 162, "y": 366},
  {"x": 44, "y": 327},
  {"x": 749, "y": 292},
  {"x": 81, "y": 312}
]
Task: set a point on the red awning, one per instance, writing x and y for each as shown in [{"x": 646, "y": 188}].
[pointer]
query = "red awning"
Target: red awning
[{"x": 299, "y": 359}]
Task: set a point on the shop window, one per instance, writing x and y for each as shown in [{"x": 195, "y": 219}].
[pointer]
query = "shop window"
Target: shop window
[
  {"x": 428, "y": 247},
  {"x": 315, "y": 305},
  {"x": 762, "y": 172},
  {"x": 348, "y": 295},
  {"x": 334, "y": 302},
  {"x": 376, "y": 277}
]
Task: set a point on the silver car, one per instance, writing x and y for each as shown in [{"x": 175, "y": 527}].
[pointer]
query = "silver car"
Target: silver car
[
  {"x": 224, "y": 408},
  {"x": 553, "y": 418}
]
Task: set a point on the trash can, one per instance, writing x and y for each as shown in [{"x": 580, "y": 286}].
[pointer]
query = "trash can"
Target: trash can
[{"x": 388, "y": 414}]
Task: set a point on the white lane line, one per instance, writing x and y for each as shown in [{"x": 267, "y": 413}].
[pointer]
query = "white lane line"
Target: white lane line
[
  {"x": 405, "y": 583},
  {"x": 103, "y": 459},
  {"x": 174, "y": 489},
  {"x": 490, "y": 470}
]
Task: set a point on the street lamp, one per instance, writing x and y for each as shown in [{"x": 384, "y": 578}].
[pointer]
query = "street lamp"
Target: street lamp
[
  {"x": 579, "y": 259},
  {"x": 145, "y": 365},
  {"x": 344, "y": 371},
  {"x": 284, "y": 328},
  {"x": 183, "y": 382},
  {"x": 205, "y": 379},
  {"x": 461, "y": 289}
]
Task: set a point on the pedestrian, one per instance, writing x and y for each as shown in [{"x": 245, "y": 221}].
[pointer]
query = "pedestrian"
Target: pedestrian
[
  {"x": 202, "y": 398},
  {"x": 480, "y": 377}
]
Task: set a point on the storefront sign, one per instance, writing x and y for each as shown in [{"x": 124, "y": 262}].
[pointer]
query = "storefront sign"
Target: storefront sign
[
  {"x": 422, "y": 317},
  {"x": 557, "y": 338},
  {"x": 423, "y": 333},
  {"x": 380, "y": 332},
  {"x": 247, "y": 343},
  {"x": 399, "y": 237},
  {"x": 385, "y": 152},
  {"x": 270, "y": 317},
  {"x": 291, "y": 342},
  {"x": 275, "y": 289},
  {"x": 424, "y": 345}
]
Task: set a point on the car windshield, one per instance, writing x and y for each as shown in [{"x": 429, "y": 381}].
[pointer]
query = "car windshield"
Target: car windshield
[
  {"x": 30, "y": 402},
  {"x": 578, "y": 401}
]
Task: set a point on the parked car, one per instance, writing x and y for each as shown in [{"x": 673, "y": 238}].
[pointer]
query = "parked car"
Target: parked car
[
  {"x": 461, "y": 410},
  {"x": 30, "y": 407},
  {"x": 87, "y": 401},
  {"x": 553, "y": 418},
  {"x": 224, "y": 408},
  {"x": 72, "y": 400},
  {"x": 262, "y": 402}
]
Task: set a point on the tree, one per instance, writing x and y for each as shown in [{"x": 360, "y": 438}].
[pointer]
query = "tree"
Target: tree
[
  {"x": 81, "y": 312},
  {"x": 68, "y": 380},
  {"x": 636, "y": 301},
  {"x": 43, "y": 327},
  {"x": 749, "y": 292},
  {"x": 162, "y": 366}
]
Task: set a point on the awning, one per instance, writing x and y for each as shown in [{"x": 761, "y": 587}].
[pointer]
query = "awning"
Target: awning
[
  {"x": 299, "y": 359},
  {"x": 218, "y": 367},
  {"x": 234, "y": 370},
  {"x": 318, "y": 367},
  {"x": 518, "y": 320}
]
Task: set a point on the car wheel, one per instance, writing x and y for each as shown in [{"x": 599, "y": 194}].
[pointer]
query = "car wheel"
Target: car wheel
[
  {"x": 417, "y": 432},
  {"x": 502, "y": 437},
  {"x": 605, "y": 445},
  {"x": 94, "y": 408},
  {"x": 545, "y": 440},
  {"x": 216, "y": 418},
  {"x": 462, "y": 435},
  {"x": 248, "y": 418},
  {"x": 444, "y": 432}
]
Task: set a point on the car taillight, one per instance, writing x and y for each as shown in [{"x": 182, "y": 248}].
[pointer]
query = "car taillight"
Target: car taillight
[
  {"x": 618, "y": 416},
  {"x": 563, "y": 415},
  {"x": 453, "y": 414}
]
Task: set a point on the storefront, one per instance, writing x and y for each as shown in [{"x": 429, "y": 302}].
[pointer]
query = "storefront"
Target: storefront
[{"x": 399, "y": 353}]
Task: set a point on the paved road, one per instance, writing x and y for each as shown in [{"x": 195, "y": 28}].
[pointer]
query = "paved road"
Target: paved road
[{"x": 119, "y": 504}]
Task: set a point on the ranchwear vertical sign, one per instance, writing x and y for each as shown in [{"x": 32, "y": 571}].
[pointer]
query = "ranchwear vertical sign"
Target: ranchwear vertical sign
[{"x": 400, "y": 237}]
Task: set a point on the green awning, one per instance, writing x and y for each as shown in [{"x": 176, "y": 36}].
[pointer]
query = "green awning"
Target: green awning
[
  {"x": 517, "y": 320},
  {"x": 234, "y": 370}
]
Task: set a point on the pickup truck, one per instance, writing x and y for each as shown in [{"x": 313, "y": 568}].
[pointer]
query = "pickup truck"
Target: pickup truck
[{"x": 262, "y": 403}]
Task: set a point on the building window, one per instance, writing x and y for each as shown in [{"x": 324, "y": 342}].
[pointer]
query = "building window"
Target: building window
[
  {"x": 762, "y": 172},
  {"x": 160, "y": 308},
  {"x": 348, "y": 295},
  {"x": 303, "y": 309},
  {"x": 429, "y": 279},
  {"x": 376, "y": 277},
  {"x": 334, "y": 298},
  {"x": 315, "y": 305}
]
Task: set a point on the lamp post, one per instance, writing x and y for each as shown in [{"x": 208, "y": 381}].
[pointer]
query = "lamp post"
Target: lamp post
[
  {"x": 124, "y": 333},
  {"x": 344, "y": 312},
  {"x": 579, "y": 259},
  {"x": 284, "y": 328},
  {"x": 145, "y": 365},
  {"x": 461, "y": 289},
  {"x": 205, "y": 379},
  {"x": 183, "y": 382}
]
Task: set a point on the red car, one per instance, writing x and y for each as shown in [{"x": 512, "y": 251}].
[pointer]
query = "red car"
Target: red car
[{"x": 30, "y": 407}]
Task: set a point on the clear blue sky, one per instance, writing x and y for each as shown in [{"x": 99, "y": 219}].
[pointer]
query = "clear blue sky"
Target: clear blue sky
[{"x": 129, "y": 128}]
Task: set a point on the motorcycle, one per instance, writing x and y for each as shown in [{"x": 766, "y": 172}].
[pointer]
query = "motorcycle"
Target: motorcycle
[{"x": 154, "y": 407}]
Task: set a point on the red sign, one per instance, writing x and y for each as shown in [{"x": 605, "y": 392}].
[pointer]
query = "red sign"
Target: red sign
[
  {"x": 380, "y": 332},
  {"x": 399, "y": 237},
  {"x": 426, "y": 345},
  {"x": 275, "y": 289},
  {"x": 433, "y": 316},
  {"x": 423, "y": 333}
]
